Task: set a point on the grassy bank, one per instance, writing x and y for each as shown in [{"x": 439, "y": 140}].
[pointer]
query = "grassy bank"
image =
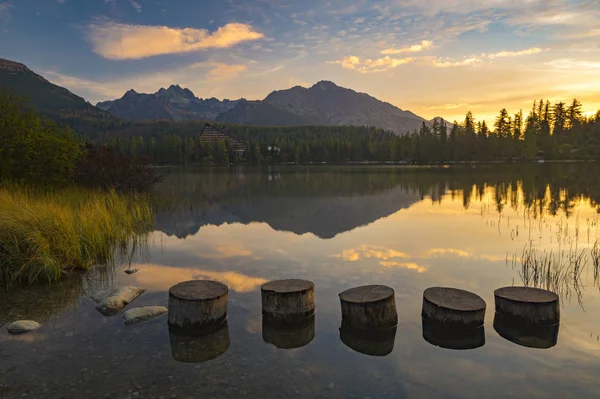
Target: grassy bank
[{"x": 43, "y": 233}]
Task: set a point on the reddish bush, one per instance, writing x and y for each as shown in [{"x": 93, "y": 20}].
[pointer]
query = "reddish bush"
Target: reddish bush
[{"x": 103, "y": 167}]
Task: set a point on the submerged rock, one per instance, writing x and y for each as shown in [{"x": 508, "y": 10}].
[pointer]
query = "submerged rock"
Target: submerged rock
[
  {"x": 138, "y": 315},
  {"x": 113, "y": 300},
  {"x": 23, "y": 326},
  {"x": 131, "y": 271}
]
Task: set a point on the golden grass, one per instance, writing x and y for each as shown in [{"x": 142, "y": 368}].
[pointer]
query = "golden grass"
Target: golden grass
[{"x": 43, "y": 233}]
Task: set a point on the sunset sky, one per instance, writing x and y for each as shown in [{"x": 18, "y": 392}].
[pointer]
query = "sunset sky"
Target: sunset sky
[{"x": 438, "y": 57}]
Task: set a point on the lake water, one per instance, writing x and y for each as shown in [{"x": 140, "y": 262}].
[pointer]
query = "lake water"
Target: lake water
[{"x": 340, "y": 227}]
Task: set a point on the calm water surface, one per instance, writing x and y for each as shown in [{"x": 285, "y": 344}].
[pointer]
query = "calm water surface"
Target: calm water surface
[{"x": 340, "y": 227}]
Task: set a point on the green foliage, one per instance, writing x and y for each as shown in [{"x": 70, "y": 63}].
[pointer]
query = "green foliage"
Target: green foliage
[
  {"x": 550, "y": 132},
  {"x": 54, "y": 101},
  {"x": 43, "y": 233},
  {"x": 33, "y": 148}
]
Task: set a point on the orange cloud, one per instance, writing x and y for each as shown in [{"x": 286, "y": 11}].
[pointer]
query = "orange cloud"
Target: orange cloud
[
  {"x": 371, "y": 252},
  {"x": 118, "y": 41},
  {"x": 229, "y": 251},
  {"x": 472, "y": 61},
  {"x": 386, "y": 257},
  {"x": 529, "y": 51},
  {"x": 448, "y": 251},
  {"x": 368, "y": 65},
  {"x": 160, "y": 278},
  {"x": 441, "y": 252},
  {"x": 404, "y": 265},
  {"x": 415, "y": 48}
]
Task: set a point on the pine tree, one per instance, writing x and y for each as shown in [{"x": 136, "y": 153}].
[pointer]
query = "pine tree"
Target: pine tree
[
  {"x": 574, "y": 114},
  {"x": 559, "y": 118},
  {"x": 517, "y": 127},
  {"x": 502, "y": 126}
]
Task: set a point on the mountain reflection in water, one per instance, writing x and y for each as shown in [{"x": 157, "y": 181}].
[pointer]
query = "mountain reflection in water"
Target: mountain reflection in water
[{"x": 476, "y": 228}]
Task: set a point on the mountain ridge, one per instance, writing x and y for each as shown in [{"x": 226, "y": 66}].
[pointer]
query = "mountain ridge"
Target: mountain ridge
[
  {"x": 174, "y": 103},
  {"x": 322, "y": 104},
  {"x": 41, "y": 93}
]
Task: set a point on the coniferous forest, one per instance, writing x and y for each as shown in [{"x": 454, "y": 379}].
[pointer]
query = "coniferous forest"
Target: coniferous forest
[{"x": 548, "y": 131}]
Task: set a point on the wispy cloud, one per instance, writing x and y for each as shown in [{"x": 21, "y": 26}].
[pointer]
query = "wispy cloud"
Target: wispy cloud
[
  {"x": 471, "y": 61},
  {"x": 453, "y": 106},
  {"x": 5, "y": 9},
  {"x": 476, "y": 60},
  {"x": 586, "y": 33},
  {"x": 117, "y": 41},
  {"x": 415, "y": 48},
  {"x": 159, "y": 277},
  {"x": 368, "y": 65},
  {"x": 439, "y": 252},
  {"x": 404, "y": 265},
  {"x": 569, "y": 64},
  {"x": 136, "y": 5},
  {"x": 386, "y": 257},
  {"x": 219, "y": 70},
  {"x": 371, "y": 252},
  {"x": 529, "y": 51}
]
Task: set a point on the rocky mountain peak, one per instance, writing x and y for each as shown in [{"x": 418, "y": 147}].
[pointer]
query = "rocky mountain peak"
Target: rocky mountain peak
[
  {"x": 11, "y": 66},
  {"x": 325, "y": 85}
]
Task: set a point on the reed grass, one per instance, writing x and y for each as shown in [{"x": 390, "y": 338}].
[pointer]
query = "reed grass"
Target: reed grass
[
  {"x": 45, "y": 232},
  {"x": 557, "y": 271}
]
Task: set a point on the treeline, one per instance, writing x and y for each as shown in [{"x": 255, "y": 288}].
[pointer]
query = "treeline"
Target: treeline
[
  {"x": 549, "y": 131},
  {"x": 558, "y": 131},
  {"x": 179, "y": 143},
  {"x": 36, "y": 150},
  {"x": 538, "y": 190}
]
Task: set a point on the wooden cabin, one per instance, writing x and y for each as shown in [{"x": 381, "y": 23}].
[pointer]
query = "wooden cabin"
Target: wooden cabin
[{"x": 212, "y": 134}]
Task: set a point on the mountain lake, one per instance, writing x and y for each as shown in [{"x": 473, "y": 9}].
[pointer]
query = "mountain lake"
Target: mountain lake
[{"x": 477, "y": 228}]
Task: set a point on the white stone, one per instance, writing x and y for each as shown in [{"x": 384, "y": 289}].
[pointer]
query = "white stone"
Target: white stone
[
  {"x": 113, "y": 300},
  {"x": 23, "y": 326},
  {"x": 137, "y": 315}
]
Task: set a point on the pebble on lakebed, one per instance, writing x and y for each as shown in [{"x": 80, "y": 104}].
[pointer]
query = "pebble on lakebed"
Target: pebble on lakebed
[
  {"x": 22, "y": 326},
  {"x": 137, "y": 315},
  {"x": 113, "y": 300}
]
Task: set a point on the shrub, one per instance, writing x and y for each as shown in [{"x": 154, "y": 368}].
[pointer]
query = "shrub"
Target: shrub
[{"x": 109, "y": 169}]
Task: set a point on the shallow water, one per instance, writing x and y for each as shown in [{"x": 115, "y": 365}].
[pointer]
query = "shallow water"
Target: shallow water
[{"x": 409, "y": 228}]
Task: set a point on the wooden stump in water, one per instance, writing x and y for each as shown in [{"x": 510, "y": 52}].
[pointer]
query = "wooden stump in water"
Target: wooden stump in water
[
  {"x": 189, "y": 348},
  {"x": 369, "y": 307},
  {"x": 453, "y": 308},
  {"x": 197, "y": 305},
  {"x": 530, "y": 336},
  {"x": 528, "y": 305},
  {"x": 288, "y": 300},
  {"x": 286, "y": 335},
  {"x": 372, "y": 342},
  {"x": 438, "y": 334}
]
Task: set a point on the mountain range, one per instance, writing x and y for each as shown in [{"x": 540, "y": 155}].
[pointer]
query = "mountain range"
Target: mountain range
[
  {"x": 324, "y": 103},
  {"x": 175, "y": 103},
  {"x": 331, "y": 203}
]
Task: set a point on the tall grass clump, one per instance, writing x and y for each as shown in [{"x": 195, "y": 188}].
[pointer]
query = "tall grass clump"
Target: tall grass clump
[{"x": 43, "y": 233}]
